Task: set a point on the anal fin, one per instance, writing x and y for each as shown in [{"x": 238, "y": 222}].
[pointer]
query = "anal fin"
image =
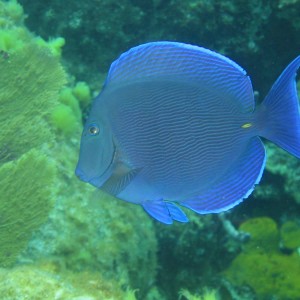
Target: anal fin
[
  {"x": 176, "y": 213},
  {"x": 164, "y": 212},
  {"x": 234, "y": 186}
]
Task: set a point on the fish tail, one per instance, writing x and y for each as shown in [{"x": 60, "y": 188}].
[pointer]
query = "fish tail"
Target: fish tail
[{"x": 278, "y": 117}]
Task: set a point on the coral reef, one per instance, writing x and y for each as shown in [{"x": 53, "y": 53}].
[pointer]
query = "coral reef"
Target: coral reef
[
  {"x": 47, "y": 281},
  {"x": 29, "y": 93},
  {"x": 262, "y": 266},
  {"x": 263, "y": 232},
  {"x": 99, "y": 247},
  {"x": 41, "y": 125},
  {"x": 87, "y": 231},
  {"x": 189, "y": 253},
  {"x": 27, "y": 189},
  {"x": 30, "y": 82},
  {"x": 282, "y": 164},
  {"x": 290, "y": 235},
  {"x": 207, "y": 295},
  {"x": 66, "y": 117},
  {"x": 11, "y": 14}
]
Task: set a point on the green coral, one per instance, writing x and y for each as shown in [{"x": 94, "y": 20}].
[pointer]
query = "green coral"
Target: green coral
[
  {"x": 27, "y": 190},
  {"x": 264, "y": 234},
  {"x": 28, "y": 95},
  {"x": 67, "y": 97},
  {"x": 10, "y": 39},
  {"x": 290, "y": 235},
  {"x": 11, "y": 14},
  {"x": 82, "y": 93},
  {"x": 207, "y": 295},
  {"x": 56, "y": 45},
  {"x": 66, "y": 117},
  {"x": 263, "y": 267},
  {"x": 30, "y": 82},
  {"x": 63, "y": 119}
]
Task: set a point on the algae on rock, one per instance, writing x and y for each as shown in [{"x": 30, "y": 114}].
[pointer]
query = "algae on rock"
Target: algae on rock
[{"x": 47, "y": 282}]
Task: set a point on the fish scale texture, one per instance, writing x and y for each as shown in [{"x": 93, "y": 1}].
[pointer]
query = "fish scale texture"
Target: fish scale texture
[
  {"x": 176, "y": 140},
  {"x": 179, "y": 125},
  {"x": 187, "y": 63}
]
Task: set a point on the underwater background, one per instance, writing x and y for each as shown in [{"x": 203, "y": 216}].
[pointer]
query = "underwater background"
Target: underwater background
[{"x": 62, "y": 239}]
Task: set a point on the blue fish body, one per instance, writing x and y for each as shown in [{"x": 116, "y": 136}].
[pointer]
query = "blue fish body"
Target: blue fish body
[{"x": 176, "y": 125}]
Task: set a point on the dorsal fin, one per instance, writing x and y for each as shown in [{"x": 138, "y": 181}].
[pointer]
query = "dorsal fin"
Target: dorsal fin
[{"x": 178, "y": 61}]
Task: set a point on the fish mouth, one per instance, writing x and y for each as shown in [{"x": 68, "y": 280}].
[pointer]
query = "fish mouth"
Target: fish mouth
[
  {"x": 99, "y": 180},
  {"x": 81, "y": 175}
]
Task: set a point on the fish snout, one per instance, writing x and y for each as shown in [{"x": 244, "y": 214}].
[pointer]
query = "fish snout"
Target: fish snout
[{"x": 80, "y": 174}]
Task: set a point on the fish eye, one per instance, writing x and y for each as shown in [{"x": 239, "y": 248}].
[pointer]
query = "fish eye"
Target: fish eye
[{"x": 93, "y": 129}]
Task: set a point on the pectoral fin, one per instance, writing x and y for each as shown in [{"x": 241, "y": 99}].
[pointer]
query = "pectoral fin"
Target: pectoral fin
[{"x": 120, "y": 178}]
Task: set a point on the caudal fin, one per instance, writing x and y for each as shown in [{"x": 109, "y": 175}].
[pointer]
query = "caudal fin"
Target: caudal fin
[{"x": 279, "y": 115}]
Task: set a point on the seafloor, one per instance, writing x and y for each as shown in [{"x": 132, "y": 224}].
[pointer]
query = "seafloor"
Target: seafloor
[{"x": 61, "y": 239}]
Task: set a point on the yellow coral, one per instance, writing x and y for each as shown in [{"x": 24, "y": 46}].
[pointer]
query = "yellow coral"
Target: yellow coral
[
  {"x": 290, "y": 234},
  {"x": 264, "y": 235},
  {"x": 82, "y": 93},
  {"x": 49, "y": 282},
  {"x": 63, "y": 119},
  {"x": 15, "y": 10},
  {"x": 67, "y": 97},
  {"x": 10, "y": 40},
  {"x": 262, "y": 266},
  {"x": 55, "y": 46},
  {"x": 11, "y": 13},
  {"x": 267, "y": 274},
  {"x": 207, "y": 295}
]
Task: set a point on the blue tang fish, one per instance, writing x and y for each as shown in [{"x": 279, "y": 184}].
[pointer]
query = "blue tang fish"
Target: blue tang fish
[{"x": 176, "y": 125}]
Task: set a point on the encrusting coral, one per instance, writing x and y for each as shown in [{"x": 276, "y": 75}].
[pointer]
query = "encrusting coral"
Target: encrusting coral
[
  {"x": 290, "y": 235},
  {"x": 46, "y": 281},
  {"x": 262, "y": 266}
]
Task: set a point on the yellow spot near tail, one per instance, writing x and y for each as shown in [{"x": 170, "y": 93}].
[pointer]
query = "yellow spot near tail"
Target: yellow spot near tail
[{"x": 246, "y": 125}]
